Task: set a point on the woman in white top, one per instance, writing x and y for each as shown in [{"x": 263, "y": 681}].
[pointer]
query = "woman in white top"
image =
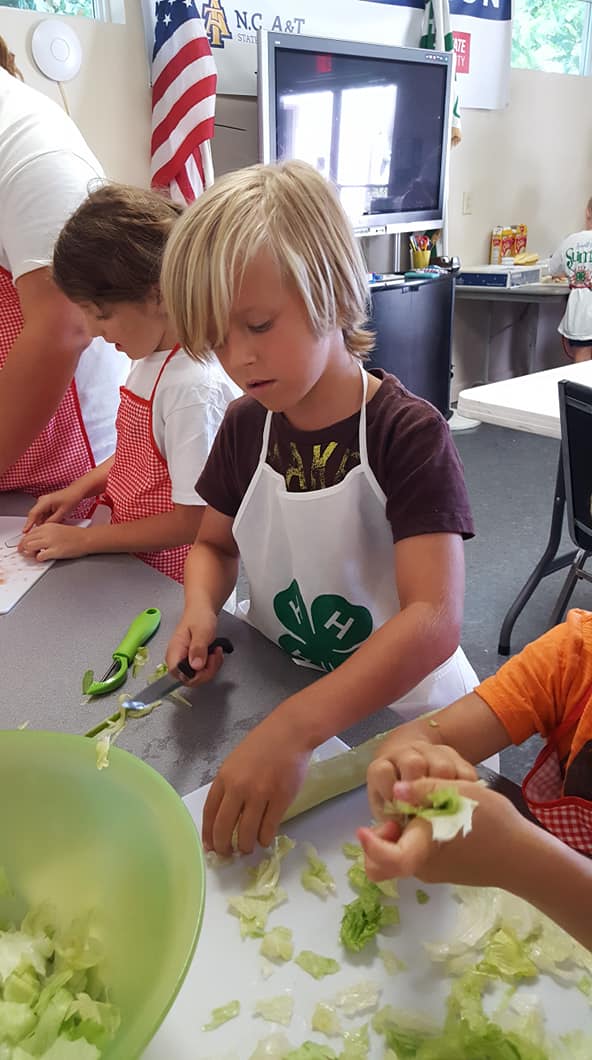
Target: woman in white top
[
  {"x": 58, "y": 395},
  {"x": 574, "y": 260},
  {"x": 107, "y": 260}
]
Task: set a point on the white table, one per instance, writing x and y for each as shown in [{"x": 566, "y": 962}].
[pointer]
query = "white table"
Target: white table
[{"x": 529, "y": 403}]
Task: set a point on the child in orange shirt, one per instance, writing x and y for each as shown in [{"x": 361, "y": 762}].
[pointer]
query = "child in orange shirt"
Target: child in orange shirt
[{"x": 546, "y": 689}]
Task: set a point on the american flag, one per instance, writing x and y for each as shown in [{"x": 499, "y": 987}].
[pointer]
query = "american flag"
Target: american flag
[{"x": 183, "y": 101}]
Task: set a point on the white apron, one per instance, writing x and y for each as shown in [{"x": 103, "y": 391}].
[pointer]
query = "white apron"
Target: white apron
[{"x": 321, "y": 572}]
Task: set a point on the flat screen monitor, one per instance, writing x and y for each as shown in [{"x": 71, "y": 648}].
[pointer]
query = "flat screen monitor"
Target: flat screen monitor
[{"x": 373, "y": 119}]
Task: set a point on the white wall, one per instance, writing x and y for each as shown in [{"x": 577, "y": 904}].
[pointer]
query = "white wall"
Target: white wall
[
  {"x": 109, "y": 99},
  {"x": 530, "y": 163}
]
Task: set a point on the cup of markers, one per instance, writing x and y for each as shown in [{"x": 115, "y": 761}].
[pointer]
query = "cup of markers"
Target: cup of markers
[{"x": 420, "y": 247}]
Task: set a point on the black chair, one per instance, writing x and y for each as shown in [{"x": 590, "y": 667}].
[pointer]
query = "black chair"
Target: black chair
[{"x": 575, "y": 409}]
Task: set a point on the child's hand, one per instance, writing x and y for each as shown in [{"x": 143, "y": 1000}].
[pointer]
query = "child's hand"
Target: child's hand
[
  {"x": 51, "y": 508},
  {"x": 253, "y": 788},
  {"x": 54, "y": 541},
  {"x": 486, "y": 857},
  {"x": 190, "y": 640},
  {"x": 411, "y": 761}
]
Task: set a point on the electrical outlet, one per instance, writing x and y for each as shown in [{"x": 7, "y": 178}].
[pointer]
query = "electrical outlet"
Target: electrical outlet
[{"x": 467, "y": 202}]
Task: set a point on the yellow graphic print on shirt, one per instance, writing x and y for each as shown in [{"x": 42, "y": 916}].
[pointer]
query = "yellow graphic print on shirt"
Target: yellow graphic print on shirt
[
  {"x": 326, "y": 638},
  {"x": 310, "y": 472}
]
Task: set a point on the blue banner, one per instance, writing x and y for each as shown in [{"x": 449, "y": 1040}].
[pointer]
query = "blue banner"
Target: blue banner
[{"x": 494, "y": 10}]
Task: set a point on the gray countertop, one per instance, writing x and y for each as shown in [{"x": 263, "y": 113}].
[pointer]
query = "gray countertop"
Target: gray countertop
[
  {"x": 74, "y": 617},
  {"x": 72, "y": 620}
]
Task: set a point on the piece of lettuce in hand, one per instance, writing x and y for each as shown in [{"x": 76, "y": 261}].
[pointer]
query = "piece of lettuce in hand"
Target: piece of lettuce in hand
[
  {"x": 358, "y": 998},
  {"x": 325, "y": 1019},
  {"x": 221, "y": 1015},
  {"x": 364, "y": 917},
  {"x": 316, "y": 965},
  {"x": 356, "y": 1044},
  {"x": 278, "y": 1009},
  {"x": 277, "y": 944},
  {"x": 449, "y": 812},
  {"x": 316, "y": 876}
]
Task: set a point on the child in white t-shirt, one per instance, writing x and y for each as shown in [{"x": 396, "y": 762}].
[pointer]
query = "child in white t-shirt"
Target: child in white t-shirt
[
  {"x": 573, "y": 258},
  {"x": 107, "y": 259}
]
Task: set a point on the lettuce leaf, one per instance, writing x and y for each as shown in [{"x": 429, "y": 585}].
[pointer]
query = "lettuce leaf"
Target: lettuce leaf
[
  {"x": 277, "y": 944},
  {"x": 325, "y": 1019},
  {"x": 364, "y": 917},
  {"x": 221, "y": 1015},
  {"x": 360, "y": 997},
  {"x": 275, "y": 1009},
  {"x": 316, "y": 965},
  {"x": 312, "y": 1051},
  {"x": 316, "y": 877},
  {"x": 449, "y": 812},
  {"x": 356, "y": 1044}
]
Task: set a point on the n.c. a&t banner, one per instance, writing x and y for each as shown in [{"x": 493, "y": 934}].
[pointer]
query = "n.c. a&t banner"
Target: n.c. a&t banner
[{"x": 482, "y": 33}]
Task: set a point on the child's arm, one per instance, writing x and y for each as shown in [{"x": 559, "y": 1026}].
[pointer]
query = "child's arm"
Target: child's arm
[
  {"x": 261, "y": 777},
  {"x": 55, "y": 541},
  {"x": 210, "y": 576},
  {"x": 502, "y": 850},
  {"x": 441, "y": 745},
  {"x": 53, "y": 507}
]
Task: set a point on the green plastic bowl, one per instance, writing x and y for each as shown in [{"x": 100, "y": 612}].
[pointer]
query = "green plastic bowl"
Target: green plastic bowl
[{"x": 119, "y": 842}]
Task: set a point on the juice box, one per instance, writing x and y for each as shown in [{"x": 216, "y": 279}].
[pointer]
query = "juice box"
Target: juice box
[
  {"x": 495, "y": 251},
  {"x": 508, "y": 242},
  {"x": 521, "y": 238}
]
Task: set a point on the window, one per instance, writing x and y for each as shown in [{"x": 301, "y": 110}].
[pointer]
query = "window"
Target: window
[
  {"x": 553, "y": 35},
  {"x": 106, "y": 10}
]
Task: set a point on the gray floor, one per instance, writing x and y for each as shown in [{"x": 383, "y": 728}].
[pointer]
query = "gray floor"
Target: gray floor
[{"x": 510, "y": 476}]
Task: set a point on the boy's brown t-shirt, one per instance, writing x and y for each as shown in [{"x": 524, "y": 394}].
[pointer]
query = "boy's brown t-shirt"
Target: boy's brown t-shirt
[
  {"x": 410, "y": 451},
  {"x": 538, "y": 689}
]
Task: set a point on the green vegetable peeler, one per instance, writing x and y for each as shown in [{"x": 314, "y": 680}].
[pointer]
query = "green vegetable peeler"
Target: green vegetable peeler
[{"x": 142, "y": 628}]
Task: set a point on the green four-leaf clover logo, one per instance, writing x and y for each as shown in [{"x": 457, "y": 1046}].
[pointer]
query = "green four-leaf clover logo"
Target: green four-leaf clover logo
[{"x": 332, "y": 632}]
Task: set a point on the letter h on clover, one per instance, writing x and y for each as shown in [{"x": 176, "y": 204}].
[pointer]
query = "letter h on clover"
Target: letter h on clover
[{"x": 332, "y": 632}]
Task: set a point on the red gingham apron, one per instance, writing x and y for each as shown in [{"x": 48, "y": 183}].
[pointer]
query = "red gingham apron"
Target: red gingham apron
[
  {"x": 568, "y": 817},
  {"x": 139, "y": 483},
  {"x": 62, "y": 452}
]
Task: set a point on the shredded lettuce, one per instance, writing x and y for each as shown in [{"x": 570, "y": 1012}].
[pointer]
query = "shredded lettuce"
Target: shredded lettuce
[
  {"x": 140, "y": 659},
  {"x": 316, "y": 877},
  {"x": 467, "y": 1034},
  {"x": 422, "y": 896},
  {"x": 325, "y": 1019},
  {"x": 275, "y": 1009},
  {"x": 274, "y": 1047},
  {"x": 221, "y": 1015},
  {"x": 277, "y": 944},
  {"x": 316, "y": 965},
  {"x": 312, "y": 1051},
  {"x": 356, "y": 1044},
  {"x": 449, "y": 812},
  {"x": 364, "y": 917},
  {"x": 52, "y": 1002},
  {"x": 263, "y": 892},
  {"x": 361, "y": 997}
]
